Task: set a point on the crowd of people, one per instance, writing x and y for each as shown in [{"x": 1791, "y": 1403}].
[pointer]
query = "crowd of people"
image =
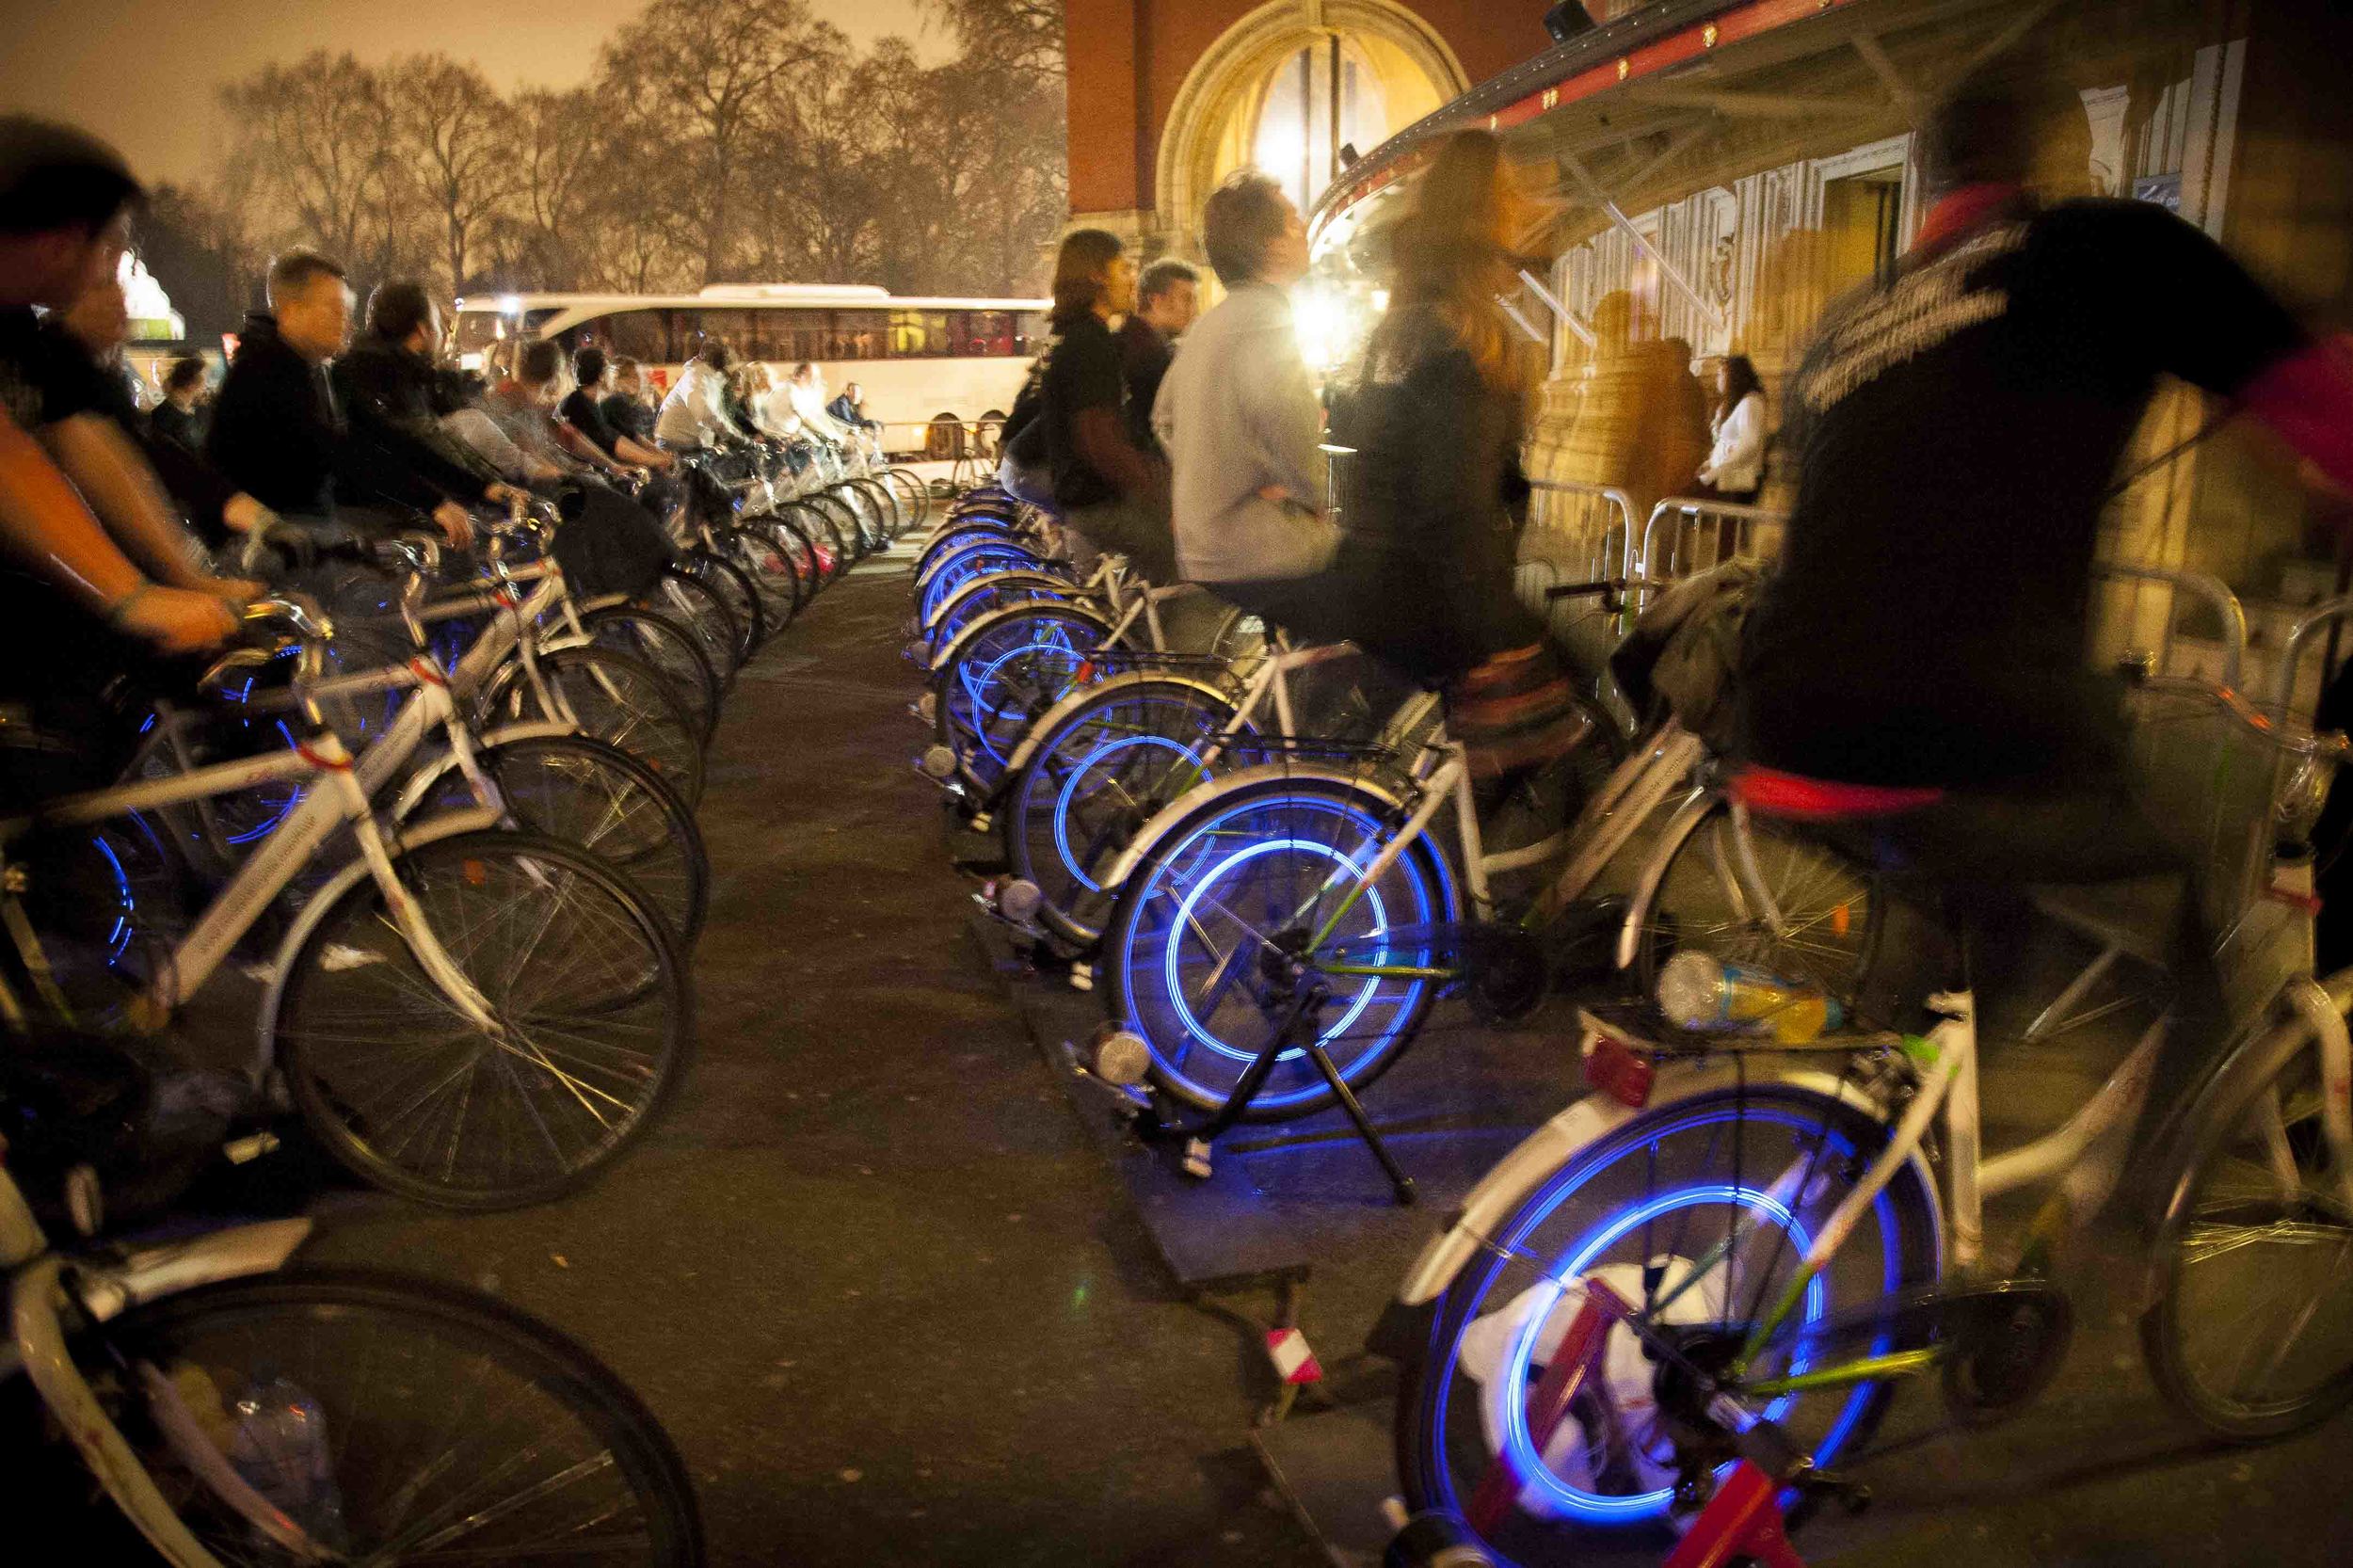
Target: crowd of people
[
  {"x": 132, "y": 537},
  {"x": 1952, "y": 433}
]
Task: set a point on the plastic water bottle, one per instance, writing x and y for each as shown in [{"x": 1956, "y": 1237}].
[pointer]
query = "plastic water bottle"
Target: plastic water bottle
[
  {"x": 1701, "y": 992},
  {"x": 280, "y": 1445}
]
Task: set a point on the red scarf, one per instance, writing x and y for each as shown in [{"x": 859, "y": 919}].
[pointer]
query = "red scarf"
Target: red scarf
[{"x": 1961, "y": 210}]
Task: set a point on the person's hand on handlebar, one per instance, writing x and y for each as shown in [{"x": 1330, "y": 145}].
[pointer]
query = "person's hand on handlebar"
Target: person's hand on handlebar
[
  {"x": 175, "y": 620},
  {"x": 504, "y": 494},
  {"x": 456, "y": 524}
]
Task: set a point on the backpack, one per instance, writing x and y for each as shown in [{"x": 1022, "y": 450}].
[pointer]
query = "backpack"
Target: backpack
[{"x": 1685, "y": 652}]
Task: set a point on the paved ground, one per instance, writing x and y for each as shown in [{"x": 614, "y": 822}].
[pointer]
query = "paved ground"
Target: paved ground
[{"x": 889, "y": 1299}]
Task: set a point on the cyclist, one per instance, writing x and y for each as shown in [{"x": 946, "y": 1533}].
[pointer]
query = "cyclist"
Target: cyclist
[
  {"x": 695, "y": 414},
  {"x": 1915, "y": 664},
  {"x": 1112, "y": 493},
  {"x": 279, "y": 433},
  {"x": 75, "y": 606},
  {"x": 584, "y": 409},
  {"x": 624, "y": 408},
  {"x": 1168, "y": 300},
  {"x": 390, "y": 391}
]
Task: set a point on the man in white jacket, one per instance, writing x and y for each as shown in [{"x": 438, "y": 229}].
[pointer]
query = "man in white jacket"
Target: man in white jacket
[
  {"x": 695, "y": 413},
  {"x": 1237, "y": 414}
]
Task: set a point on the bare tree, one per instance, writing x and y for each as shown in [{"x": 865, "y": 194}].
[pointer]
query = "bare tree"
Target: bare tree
[
  {"x": 453, "y": 138},
  {"x": 311, "y": 142},
  {"x": 1018, "y": 35},
  {"x": 706, "y": 80},
  {"x": 562, "y": 157}
]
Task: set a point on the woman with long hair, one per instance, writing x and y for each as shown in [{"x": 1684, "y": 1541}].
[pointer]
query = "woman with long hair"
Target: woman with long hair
[
  {"x": 1434, "y": 496},
  {"x": 1111, "y": 493},
  {"x": 1735, "y": 469}
]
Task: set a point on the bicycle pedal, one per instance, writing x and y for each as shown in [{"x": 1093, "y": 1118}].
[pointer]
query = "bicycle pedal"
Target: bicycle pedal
[
  {"x": 1197, "y": 1159},
  {"x": 1082, "y": 976}
]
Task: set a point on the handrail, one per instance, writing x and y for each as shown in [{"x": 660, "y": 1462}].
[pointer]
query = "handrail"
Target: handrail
[
  {"x": 2292, "y": 646},
  {"x": 2213, "y": 590}
]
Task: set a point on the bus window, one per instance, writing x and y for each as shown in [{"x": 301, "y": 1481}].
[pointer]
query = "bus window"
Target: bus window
[
  {"x": 859, "y": 335},
  {"x": 919, "y": 334},
  {"x": 640, "y": 335},
  {"x": 796, "y": 333},
  {"x": 732, "y": 327},
  {"x": 988, "y": 332},
  {"x": 478, "y": 329},
  {"x": 1029, "y": 333}
]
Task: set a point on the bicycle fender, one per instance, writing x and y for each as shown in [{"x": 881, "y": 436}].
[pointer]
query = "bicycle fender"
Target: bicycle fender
[
  {"x": 945, "y": 660},
  {"x": 1550, "y": 1146},
  {"x": 1051, "y": 719},
  {"x": 1168, "y": 816},
  {"x": 1695, "y": 806},
  {"x": 447, "y": 824},
  {"x": 109, "y": 1287},
  {"x": 994, "y": 580}
]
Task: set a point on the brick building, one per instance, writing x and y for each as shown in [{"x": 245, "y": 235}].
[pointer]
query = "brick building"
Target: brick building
[{"x": 1169, "y": 96}]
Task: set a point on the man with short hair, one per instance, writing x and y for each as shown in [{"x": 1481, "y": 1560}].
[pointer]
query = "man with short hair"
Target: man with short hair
[
  {"x": 1168, "y": 298},
  {"x": 1238, "y": 417},
  {"x": 695, "y": 414},
  {"x": 624, "y": 406},
  {"x": 279, "y": 432},
  {"x": 848, "y": 409},
  {"x": 390, "y": 391},
  {"x": 76, "y": 603},
  {"x": 582, "y": 410}
]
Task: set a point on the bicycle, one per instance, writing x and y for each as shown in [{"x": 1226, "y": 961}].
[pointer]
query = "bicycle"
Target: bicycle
[
  {"x": 1766, "y": 1226},
  {"x": 235, "y": 1411},
  {"x": 424, "y": 991}
]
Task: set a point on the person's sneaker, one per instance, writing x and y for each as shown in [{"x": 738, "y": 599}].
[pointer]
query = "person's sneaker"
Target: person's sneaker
[{"x": 338, "y": 958}]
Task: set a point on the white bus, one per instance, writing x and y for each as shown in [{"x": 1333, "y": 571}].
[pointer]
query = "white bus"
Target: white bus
[{"x": 917, "y": 360}]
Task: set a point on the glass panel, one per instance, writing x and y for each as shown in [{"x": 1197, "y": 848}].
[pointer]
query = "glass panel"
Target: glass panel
[
  {"x": 479, "y": 329},
  {"x": 1029, "y": 338},
  {"x": 992, "y": 334},
  {"x": 859, "y": 335}
]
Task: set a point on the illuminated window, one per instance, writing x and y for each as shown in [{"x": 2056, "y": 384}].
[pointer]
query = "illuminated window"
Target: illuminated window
[{"x": 1325, "y": 97}]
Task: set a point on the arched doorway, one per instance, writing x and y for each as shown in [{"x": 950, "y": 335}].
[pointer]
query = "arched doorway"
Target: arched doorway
[{"x": 1288, "y": 86}]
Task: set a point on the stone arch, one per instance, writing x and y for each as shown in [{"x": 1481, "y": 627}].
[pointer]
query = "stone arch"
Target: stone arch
[{"x": 1217, "y": 104}]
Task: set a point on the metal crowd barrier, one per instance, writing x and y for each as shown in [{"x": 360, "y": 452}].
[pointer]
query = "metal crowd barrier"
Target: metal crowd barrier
[{"x": 2330, "y": 615}]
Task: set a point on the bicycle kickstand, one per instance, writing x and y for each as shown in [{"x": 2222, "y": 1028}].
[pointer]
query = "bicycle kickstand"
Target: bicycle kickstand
[{"x": 1303, "y": 1011}]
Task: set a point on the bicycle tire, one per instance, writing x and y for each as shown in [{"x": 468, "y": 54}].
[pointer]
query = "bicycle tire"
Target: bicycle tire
[
  {"x": 1168, "y": 902},
  {"x": 735, "y": 588},
  {"x": 1701, "y": 892},
  {"x": 920, "y": 494},
  {"x": 1034, "y": 817},
  {"x": 387, "y": 1320},
  {"x": 1002, "y": 674},
  {"x": 614, "y": 697},
  {"x": 647, "y": 1000},
  {"x": 671, "y": 647},
  {"x": 701, "y": 605},
  {"x": 592, "y": 794},
  {"x": 2266, "y": 1119},
  {"x": 1445, "y": 1437},
  {"x": 766, "y": 561}
]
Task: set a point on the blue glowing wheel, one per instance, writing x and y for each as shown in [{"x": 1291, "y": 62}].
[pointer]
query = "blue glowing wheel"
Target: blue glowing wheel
[
  {"x": 1262, "y": 872},
  {"x": 1002, "y": 675},
  {"x": 961, "y": 563},
  {"x": 979, "y": 595},
  {"x": 1103, "y": 770},
  {"x": 1697, "y": 1212}
]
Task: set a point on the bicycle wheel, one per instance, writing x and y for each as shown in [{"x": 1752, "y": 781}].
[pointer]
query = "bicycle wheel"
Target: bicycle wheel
[
  {"x": 1697, "y": 1212},
  {"x": 1801, "y": 912},
  {"x": 2251, "y": 1330},
  {"x": 917, "y": 496},
  {"x": 592, "y": 794},
  {"x": 981, "y": 595},
  {"x": 672, "y": 650},
  {"x": 588, "y": 1036},
  {"x": 737, "y": 591},
  {"x": 612, "y": 697},
  {"x": 829, "y": 529},
  {"x": 1200, "y": 929},
  {"x": 698, "y": 604},
  {"x": 1005, "y": 672},
  {"x": 766, "y": 561},
  {"x": 391, "y": 1421},
  {"x": 1103, "y": 772}
]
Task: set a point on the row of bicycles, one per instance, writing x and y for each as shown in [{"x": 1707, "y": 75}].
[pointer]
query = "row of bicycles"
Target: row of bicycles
[
  {"x": 443, "y": 811},
  {"x": 1665, "y": 1318}
]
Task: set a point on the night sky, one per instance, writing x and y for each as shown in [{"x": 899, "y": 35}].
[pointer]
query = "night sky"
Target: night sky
[{"x": 143, "y": 72}]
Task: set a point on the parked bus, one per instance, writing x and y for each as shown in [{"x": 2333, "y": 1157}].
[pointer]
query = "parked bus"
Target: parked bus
[{"x": 917, "y": 360}]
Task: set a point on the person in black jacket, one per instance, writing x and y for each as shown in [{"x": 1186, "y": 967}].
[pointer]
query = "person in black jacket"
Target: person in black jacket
[
  {"x": 181, "y": 417},
  {"x": 280, "y": 435},
  {"x": 392, "y": 394},
  {"x": 97, "y": 325}
]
